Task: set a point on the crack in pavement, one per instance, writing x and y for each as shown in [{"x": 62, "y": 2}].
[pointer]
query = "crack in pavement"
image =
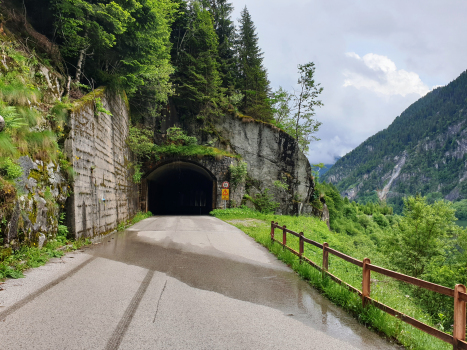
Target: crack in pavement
[{"x": 160, "y": 297}]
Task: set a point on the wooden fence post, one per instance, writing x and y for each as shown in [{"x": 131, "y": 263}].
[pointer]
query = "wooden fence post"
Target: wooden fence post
[
  {"x": 459, "y": 316},
  {"x": 272, "y": 231},
  {"x": 366, "y": 282},
  {"x": 325, "y": 257},
  {"x": 284, "y": 236},
  {"x": 300, "y": 249}
]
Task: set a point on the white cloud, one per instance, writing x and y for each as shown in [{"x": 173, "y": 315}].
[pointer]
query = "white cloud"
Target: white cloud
[{"x": 382, "y": 76}]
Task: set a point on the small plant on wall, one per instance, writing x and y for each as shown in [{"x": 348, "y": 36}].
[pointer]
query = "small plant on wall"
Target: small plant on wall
[
  {"x": 263, "y": 202},
  {"x": 238, "y": 173}
]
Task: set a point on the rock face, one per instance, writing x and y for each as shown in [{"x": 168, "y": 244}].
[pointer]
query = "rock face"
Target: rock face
[
  {"x": 273, "y": 158},
  {"x": 103, "y": 192},
  {"x": 2, "y": 123},
  {"x": 36, "y": 213},
  {"x": 271, "y": 155}
]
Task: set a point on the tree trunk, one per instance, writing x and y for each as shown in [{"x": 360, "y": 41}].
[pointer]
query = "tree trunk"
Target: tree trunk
[{"x": 79, "y": 66}]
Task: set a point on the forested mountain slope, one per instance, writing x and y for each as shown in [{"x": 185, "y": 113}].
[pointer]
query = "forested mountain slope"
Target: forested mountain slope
[{"x": 423, "y": 151}]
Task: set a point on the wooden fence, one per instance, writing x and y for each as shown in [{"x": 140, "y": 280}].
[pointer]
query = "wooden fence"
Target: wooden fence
[{"x": 459, "y": 293}]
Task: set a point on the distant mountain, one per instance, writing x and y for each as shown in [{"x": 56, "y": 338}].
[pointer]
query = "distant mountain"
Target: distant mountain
[
  {"x": 324, "y": 169},
  {"x": 423, "y": 151},
  {"x": 327, "y": 167}
]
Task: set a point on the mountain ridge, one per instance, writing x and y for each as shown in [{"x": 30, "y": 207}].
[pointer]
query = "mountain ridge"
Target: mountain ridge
[{"x": 431, "y": 137}]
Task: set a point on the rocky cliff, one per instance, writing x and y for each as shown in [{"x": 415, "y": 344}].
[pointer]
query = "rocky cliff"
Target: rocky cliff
[{"x": 273, "y": 158}]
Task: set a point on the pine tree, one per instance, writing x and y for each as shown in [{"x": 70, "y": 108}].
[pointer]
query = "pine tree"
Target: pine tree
[
  {"x": 253, "y": 81},
  {"x": 195, "y": 56},
  {"x": 221, "y": 11}
]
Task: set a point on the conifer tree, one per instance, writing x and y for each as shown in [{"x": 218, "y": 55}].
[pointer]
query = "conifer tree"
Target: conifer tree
[
  {"x": 221, "y": 11},
  {"x": 252, "y": 81},
  {"x": 195, "y": 56}
]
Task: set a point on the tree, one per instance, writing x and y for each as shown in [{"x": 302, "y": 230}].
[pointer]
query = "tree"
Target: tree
[
  {"x": 142, "y": 54},
  {"x": 281, "y": 100},
  {"x": 253, "y": 81},
  {"x": 416, "y": 239},
  {"x": 125, "y": 42},
  {"x": 302, "y": 125},
  {"x": 221, "y": 11},
  {"x": 294, "y": 112},
  {"x": 198, "y": 92},
  {"x": 84, "y": 24}
]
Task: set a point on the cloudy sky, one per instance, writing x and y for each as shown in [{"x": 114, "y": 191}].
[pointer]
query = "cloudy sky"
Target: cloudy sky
[{"x": 373, "y": 58}]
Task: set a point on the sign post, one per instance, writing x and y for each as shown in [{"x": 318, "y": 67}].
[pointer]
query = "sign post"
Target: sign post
[{"x": 225, "y": 193}]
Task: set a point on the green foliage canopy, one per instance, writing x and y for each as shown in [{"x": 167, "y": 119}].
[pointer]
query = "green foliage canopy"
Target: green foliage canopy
[
  {"x": 123, "y": 42},
  {"x": 294, "y": 112},
  {"x": 416, "y": 239},
  {"x": 252, "y": 76}
]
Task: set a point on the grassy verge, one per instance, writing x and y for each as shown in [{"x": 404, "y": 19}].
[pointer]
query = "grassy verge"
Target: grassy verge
[
  {"x": 383, "y": 289},
  {"x": 12, "y": 265},
  {"x": 137, "y": 218}
]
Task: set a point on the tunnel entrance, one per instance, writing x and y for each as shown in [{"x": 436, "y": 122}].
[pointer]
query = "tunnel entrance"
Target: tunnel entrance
[{"x": 181, "y": 188}]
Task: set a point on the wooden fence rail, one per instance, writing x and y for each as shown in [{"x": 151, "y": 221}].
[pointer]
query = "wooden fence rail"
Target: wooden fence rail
[{"x": 459, "y": 293}]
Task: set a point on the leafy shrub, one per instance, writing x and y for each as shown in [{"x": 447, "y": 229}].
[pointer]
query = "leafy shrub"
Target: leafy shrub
[
  {"x": 364, "y": 220},
  {"x": 238, "y": 173},
  {"x": 381, "y": 220},
  {"x": 141, "y": 142},
  {"x": 350, "y": 212},
  {"x": 282, "y": 184},
  {"x": 263, "y": 202},
  {"x": 138, "y": 174},
  {"x": 177, "y": 136},
  {"x": 62, "y": 233},
  {"x": 10, "y": 170},
  {"x": 461, "y": 209}
]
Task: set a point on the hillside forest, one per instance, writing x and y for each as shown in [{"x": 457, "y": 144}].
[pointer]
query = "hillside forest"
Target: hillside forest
[{"x": 427, "y": 143}]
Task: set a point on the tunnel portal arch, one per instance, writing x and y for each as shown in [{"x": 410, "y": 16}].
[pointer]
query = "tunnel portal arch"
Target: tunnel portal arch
[{"x": 181, "y": 187}]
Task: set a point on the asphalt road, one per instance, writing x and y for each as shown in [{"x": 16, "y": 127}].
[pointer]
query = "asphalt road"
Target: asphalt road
[{"x": 174, "y": 282}]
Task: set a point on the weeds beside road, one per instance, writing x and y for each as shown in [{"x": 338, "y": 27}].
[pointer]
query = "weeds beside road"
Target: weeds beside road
[{"x": 13, "y": 263}]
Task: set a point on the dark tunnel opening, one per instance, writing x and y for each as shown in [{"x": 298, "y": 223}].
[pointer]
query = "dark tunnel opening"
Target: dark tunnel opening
[{"x": 181, "y": 188}]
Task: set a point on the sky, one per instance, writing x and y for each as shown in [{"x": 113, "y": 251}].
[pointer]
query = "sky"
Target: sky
[{"x": 373, "y": 58}]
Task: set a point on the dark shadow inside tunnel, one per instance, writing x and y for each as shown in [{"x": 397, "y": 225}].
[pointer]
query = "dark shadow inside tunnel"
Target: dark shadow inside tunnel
[{"x": 181, "y": 188}]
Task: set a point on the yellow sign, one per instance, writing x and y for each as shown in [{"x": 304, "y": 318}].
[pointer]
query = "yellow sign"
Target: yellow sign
[{"x": 225, "y": 195}]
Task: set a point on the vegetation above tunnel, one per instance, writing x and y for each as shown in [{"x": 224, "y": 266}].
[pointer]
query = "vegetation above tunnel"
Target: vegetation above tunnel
[{"x": 188, "y": 53}]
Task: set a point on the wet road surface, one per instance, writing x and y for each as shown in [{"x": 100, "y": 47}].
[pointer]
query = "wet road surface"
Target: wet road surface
[{"x": 174, "y": 282}]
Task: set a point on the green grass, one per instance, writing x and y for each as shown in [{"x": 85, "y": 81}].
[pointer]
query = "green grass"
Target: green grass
[
  {"x": 191, "y": 151},
  {"x": 137, "y": 218},
  {"x": 12, "y": 264},
  {"x": 383, "y": 288}
]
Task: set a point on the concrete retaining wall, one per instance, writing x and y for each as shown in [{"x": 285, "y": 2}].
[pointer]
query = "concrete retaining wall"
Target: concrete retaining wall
[{"x": 103, "y": 193}]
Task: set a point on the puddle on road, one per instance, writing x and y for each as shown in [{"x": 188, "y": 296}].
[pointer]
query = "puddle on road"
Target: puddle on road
[{"x": 241, "y": 280}]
